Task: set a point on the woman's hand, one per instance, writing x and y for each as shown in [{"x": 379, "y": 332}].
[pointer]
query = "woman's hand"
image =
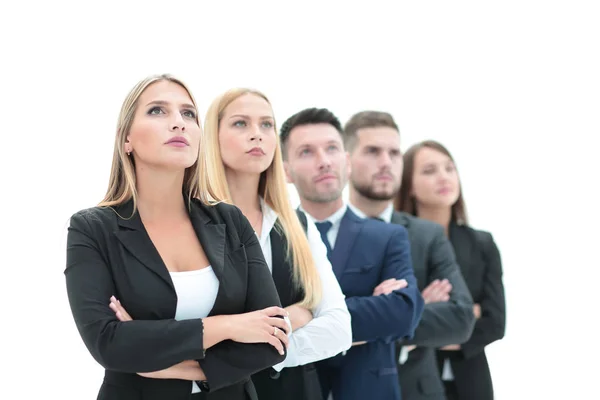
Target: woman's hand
[
  {"x": 262, "y": 326},
  {"x": 451, "y": 347},
  {"x": 119, "y": 310}
]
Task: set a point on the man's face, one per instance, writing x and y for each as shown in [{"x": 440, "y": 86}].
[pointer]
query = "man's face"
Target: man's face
[
  {"x": 376, "y": 163},
  {"x": 317, "y": 163}
]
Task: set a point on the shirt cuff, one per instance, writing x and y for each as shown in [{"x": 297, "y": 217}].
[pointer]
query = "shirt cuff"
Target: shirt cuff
[
  {"x": 403, "y": 355},
  {"x": 289, "y": 357}
]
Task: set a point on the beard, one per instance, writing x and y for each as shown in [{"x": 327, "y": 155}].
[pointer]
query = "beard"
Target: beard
[
  {"x": 368, "y": 192},
  {"x": 322, "y": 197}
]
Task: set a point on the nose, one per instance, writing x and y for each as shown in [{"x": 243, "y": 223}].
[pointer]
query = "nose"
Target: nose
[
  {"x": 177, "y": 123},
  {"x": 324, "y": 160},
  {"x": 385, "y": 161},
  {"x": 255, "y": 134},
  {"x": 443, "y": 175}
]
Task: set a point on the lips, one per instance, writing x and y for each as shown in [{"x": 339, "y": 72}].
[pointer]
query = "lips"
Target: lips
[
  {"x": 178, "y": 140},
  {"x": 325, "y": 177},
  {"x": 256, "y": 151},
  {"x": 384, "y": 177}
]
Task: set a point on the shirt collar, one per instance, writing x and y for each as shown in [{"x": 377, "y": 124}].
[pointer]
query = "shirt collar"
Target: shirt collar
[
  {"x": 268, "y": 221},
  {"x": 386, "y": 215},
  {"x": 335, "y": 218}
]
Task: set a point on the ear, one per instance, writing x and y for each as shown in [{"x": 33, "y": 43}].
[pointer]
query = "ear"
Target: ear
[
  {"x": 127, "y": 146},
  {"x": 288, "y": 175}
]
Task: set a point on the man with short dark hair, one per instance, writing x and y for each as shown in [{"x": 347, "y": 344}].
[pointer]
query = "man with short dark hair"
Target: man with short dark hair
[{"x": 370, "y": 259}]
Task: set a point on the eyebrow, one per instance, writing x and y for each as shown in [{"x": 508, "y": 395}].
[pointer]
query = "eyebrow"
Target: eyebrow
[
  {"x": 381, "y": 147},
  {"x": 165, "y": 103},
  {"x": 248, "y": 117},
  {"x": 303, "y": 145}
]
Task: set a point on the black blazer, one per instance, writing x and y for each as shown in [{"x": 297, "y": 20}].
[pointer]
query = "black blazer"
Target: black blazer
[
  {"x": 481, "y": 266},
  {"x": 292, "y": 383},
  {"x": 109, "y": 253},
  {"x": 441, "y": 323}
]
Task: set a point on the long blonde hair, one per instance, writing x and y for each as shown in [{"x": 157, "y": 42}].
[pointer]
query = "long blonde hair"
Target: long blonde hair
[
  {"x": 272, "y": 188},
  {"x": 122, "y": 181}
]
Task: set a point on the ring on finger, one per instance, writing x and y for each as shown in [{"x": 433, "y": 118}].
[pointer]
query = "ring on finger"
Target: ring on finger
[{"x": 275, "y": 331}]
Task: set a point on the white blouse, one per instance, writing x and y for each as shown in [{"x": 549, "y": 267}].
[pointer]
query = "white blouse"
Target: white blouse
[
  {"x": 330, "y": 331},
  {"x": 196, "y": 294}
]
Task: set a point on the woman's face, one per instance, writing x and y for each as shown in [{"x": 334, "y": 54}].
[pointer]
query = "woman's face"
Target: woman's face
[
  {"x": 164, "y": 133},
  {"x": 435, "y": 179},
  {"x": 247, "y": 137}
]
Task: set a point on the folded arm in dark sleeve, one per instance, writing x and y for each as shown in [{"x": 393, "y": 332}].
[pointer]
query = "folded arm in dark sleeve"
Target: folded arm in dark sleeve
[
  {"x": 396, "y": 314},
  {"x": 231, "y": 362},
  {"x": 448, "y": 322},
  {"x": 491, "y": 326},
  {"x": 132, "y": 346}
]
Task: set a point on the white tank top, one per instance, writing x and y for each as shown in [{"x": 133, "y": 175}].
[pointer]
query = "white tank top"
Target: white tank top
[{"x": 196, "y": 295}]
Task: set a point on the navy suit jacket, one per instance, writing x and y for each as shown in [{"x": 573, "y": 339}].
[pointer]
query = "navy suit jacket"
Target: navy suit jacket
[{"x": 366, "y": 253}]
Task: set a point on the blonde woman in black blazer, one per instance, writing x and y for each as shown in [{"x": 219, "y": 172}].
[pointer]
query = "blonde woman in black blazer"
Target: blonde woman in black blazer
[
  {"x": 204, "y": 314},
  {"x": 431, "y": 189}
]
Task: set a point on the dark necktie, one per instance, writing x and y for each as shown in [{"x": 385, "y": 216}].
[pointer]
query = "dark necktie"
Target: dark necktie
[
  {"x": 378, "y": 219},
  {"x": 323, "y": 228}
]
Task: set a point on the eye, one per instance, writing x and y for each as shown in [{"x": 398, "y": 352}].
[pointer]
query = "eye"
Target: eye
[
  {"x": 189, "y": 114},
  {"x": 304, "y": 152},
  {"x": 332, "y": 148},
  {"x": 240, "y": 123},
  {"x": 267, "y": 124},
  {"x": 155, "y": 111}
]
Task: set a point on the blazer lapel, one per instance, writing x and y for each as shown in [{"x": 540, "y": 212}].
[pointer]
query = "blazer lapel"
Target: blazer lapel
[
  {"x": 350, "y": 226},
  {"x": 399, "y": 219},
  {"x": 134, "y": 237},
  {"x": 462, "y": 245},
  {"x": 212, "y": 238}
]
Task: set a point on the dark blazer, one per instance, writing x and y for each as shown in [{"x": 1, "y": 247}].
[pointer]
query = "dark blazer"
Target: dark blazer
[
  {"x": 442, "y": 323},
  {"x": 366, "y": 253},
  {"x": 111, "y": 254},
  {"x": 481, "y": 266},
  {"x": 293, "y": 383}
]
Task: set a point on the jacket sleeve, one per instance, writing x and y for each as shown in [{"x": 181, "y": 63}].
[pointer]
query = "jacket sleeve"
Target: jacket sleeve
[
  {"x": 449, "y": 322},
  {"x": 230, "y": 362},
  {"x": 395, "y": 315},
  {"x": 132, "y": 346},
  {"x": 491, "y": 326}
]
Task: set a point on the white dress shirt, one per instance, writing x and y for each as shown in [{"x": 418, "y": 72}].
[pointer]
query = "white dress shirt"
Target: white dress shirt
[{"x": 330, "y": 331}]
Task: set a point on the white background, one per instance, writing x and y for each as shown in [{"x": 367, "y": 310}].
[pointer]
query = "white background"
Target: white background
[{"x": 512, "y": 88}]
